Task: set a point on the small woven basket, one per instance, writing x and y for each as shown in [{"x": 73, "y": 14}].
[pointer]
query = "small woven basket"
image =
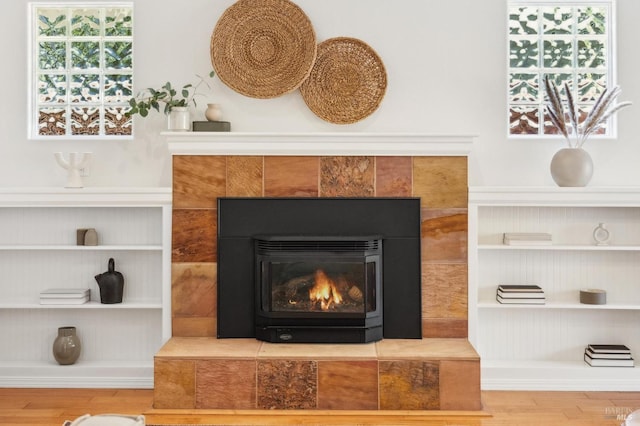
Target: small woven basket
[
  {"x": 263, "y": 48},
  {"x": 347, "y": 82}
]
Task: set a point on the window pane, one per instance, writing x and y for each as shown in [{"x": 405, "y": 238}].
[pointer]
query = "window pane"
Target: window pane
[
  {"x": 52, "y": 89},
  {"x": 524, "y": 87},
  {"x": 558, "y": 53},
  {"x": 118, "y": 88},
  {"x": 118, "y": 55},
  {"x": 557, "y": 20},
  {"x": 85, "y": 88},
  {"x": 118, "y": 22},
  {"x": 52, "y": 22},
  {"x": 523, "y": 20},
  {"x": 52, "y": 121},
  {"x": 85, "y": 121},
  {"x": 523, "y": 120},
  {"x": 592, "y": 20},
  {"x": 590, "y": 86},
  {"x": 117, "y": 123},
  {"x": 524, "y": 53},
  {"x": 52, "y": 55},
  {"x": 591, "y": 54},
  {"x": 85, "y": 55},
  {"x": 85, "y": 22}
]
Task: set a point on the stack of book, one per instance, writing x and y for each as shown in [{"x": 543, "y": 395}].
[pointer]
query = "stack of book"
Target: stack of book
[
  {"x": 65, "y": 296},
  {"x": 526, "y": 238},
  {"x": 608, "y": 356},
  {"x": 520, "y": 294}
]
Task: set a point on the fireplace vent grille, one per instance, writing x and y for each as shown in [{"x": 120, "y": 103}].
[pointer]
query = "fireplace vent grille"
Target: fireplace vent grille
[{"x": 323, "y": 245}]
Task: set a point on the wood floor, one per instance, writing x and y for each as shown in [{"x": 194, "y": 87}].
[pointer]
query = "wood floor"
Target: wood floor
[{"x": 50, "y": 407}]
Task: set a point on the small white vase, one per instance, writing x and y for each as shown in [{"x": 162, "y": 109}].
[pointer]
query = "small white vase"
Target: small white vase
[
  {"x": 571, "y": 167},
  {"x": 213, "y": 112},
  {"x": 179, "y": 119}
]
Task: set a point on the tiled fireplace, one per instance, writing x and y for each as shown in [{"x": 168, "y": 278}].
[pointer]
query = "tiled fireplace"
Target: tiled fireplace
[{"x": 197, "y": 370}]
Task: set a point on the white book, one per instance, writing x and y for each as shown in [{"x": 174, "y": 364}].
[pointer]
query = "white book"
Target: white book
[
  {"x": 63, "y": 301},
  {"x": 65, "y": 293}
]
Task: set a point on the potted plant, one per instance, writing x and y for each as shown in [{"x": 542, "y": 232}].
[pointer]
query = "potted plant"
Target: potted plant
[
  {"x": 572, "y": 165},
  {"x": 176, "y": 102}
]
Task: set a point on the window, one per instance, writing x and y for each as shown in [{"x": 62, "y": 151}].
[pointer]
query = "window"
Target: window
[
  {"x": 81, "y": 70},
  {"x": 569, "y": 41}
]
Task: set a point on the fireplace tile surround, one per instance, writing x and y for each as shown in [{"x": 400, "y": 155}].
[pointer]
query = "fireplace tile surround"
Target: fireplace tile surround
[{"x": 208, "y": 166}]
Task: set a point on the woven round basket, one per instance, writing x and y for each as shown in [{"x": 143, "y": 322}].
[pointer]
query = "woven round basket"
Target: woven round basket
[
  {"x": 347, "y": 82},
  {"x": 263, "y": 48}
]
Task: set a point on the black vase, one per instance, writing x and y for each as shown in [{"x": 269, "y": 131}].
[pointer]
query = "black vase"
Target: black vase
[{"x": 111, "y": 285}]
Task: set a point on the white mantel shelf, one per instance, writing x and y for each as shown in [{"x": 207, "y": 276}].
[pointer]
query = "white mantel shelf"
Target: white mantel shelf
[
  {"x": 88, "y": 196},
  {"x": 376, "y": 144}
]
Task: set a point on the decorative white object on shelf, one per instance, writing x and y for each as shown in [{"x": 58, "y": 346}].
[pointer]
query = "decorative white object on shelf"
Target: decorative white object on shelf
[
  {"x": 601, "y": 234},
  {"x": 179, "y": 119},
  {"x": 213, "y": 112},
  {"x": 77, "y": 161}
]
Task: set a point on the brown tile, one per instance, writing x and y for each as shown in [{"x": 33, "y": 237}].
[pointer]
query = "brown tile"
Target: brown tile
[
  {"x": 444, "y": 290},
  {"x": 291, "y": 176},
  {"x": 194, "y": 235},
  {"x": 347, "y": 176},
  {"x": 393, "y": 176},
  {"x": 194, "y": 326},
  {"x": 444, "y": 235},
  {"x": 409, "y": 385},
  {"x": 441, "y": 182},
  {"x": 226, "y": 384},
  {"x": 244, "y": 176},
  {"x": 193, "y": 289},
  {"x": 460, "y": 385},
  {"x": 198, "y": 180},
  {"x": 174, "y": 384},
  {"x": 348, "y": 385},
  {"x": 287, "y": 384},
  {"x": 444, "y": 328}
]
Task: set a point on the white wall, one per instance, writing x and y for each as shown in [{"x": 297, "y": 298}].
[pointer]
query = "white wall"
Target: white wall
[{"x": 446, "y": 75}]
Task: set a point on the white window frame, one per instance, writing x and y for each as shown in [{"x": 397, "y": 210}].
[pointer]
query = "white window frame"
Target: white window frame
[
  {"x": 33, "y": 68},
  {"x": 609, "y": 70}
]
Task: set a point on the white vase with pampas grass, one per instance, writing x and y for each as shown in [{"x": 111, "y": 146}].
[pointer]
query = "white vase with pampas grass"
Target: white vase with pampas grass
[{"x": 572, "y": 165}]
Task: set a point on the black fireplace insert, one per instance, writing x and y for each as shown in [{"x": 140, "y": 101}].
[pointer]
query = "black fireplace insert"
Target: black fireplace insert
[
  {"x": 318, "y": 288},
  {"x": 319, "y": 269}
]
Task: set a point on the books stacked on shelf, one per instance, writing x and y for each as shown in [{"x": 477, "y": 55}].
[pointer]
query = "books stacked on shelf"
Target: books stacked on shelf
[
  {"x": 608, "y": 356},
  {"x": 526, "y": 238},
  {"x": 65, "y": 296},
  {"x": 520, "y": 294}
]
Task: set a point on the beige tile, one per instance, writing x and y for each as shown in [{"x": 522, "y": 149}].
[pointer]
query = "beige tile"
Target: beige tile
[
  {"x": 436, "y": 349},
  {"x": 444, "y": 291},
  {"x": 441, "y": 182},
  {"x": 204, "y": 347},
  {"x": 444, "y": 235},
  {"x": 316, "y": 351},
  {"x": 190, "y": 326}
]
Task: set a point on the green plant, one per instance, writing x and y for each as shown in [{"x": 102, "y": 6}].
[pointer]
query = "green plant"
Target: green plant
[
  {"x": 576, "y": 132},
  {"x": 168, "y": 95}
]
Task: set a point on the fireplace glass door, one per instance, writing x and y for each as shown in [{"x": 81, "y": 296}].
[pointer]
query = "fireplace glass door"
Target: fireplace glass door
[{"x": 318, "y": 289}]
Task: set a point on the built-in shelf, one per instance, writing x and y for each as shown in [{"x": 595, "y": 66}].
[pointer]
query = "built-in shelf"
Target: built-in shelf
[
  {"x": 541, "y": 346},
  {"x": 38, "y": 234}
]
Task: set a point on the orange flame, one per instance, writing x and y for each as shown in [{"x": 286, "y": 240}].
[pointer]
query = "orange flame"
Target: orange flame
[{"x": 324, "y": 291}]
